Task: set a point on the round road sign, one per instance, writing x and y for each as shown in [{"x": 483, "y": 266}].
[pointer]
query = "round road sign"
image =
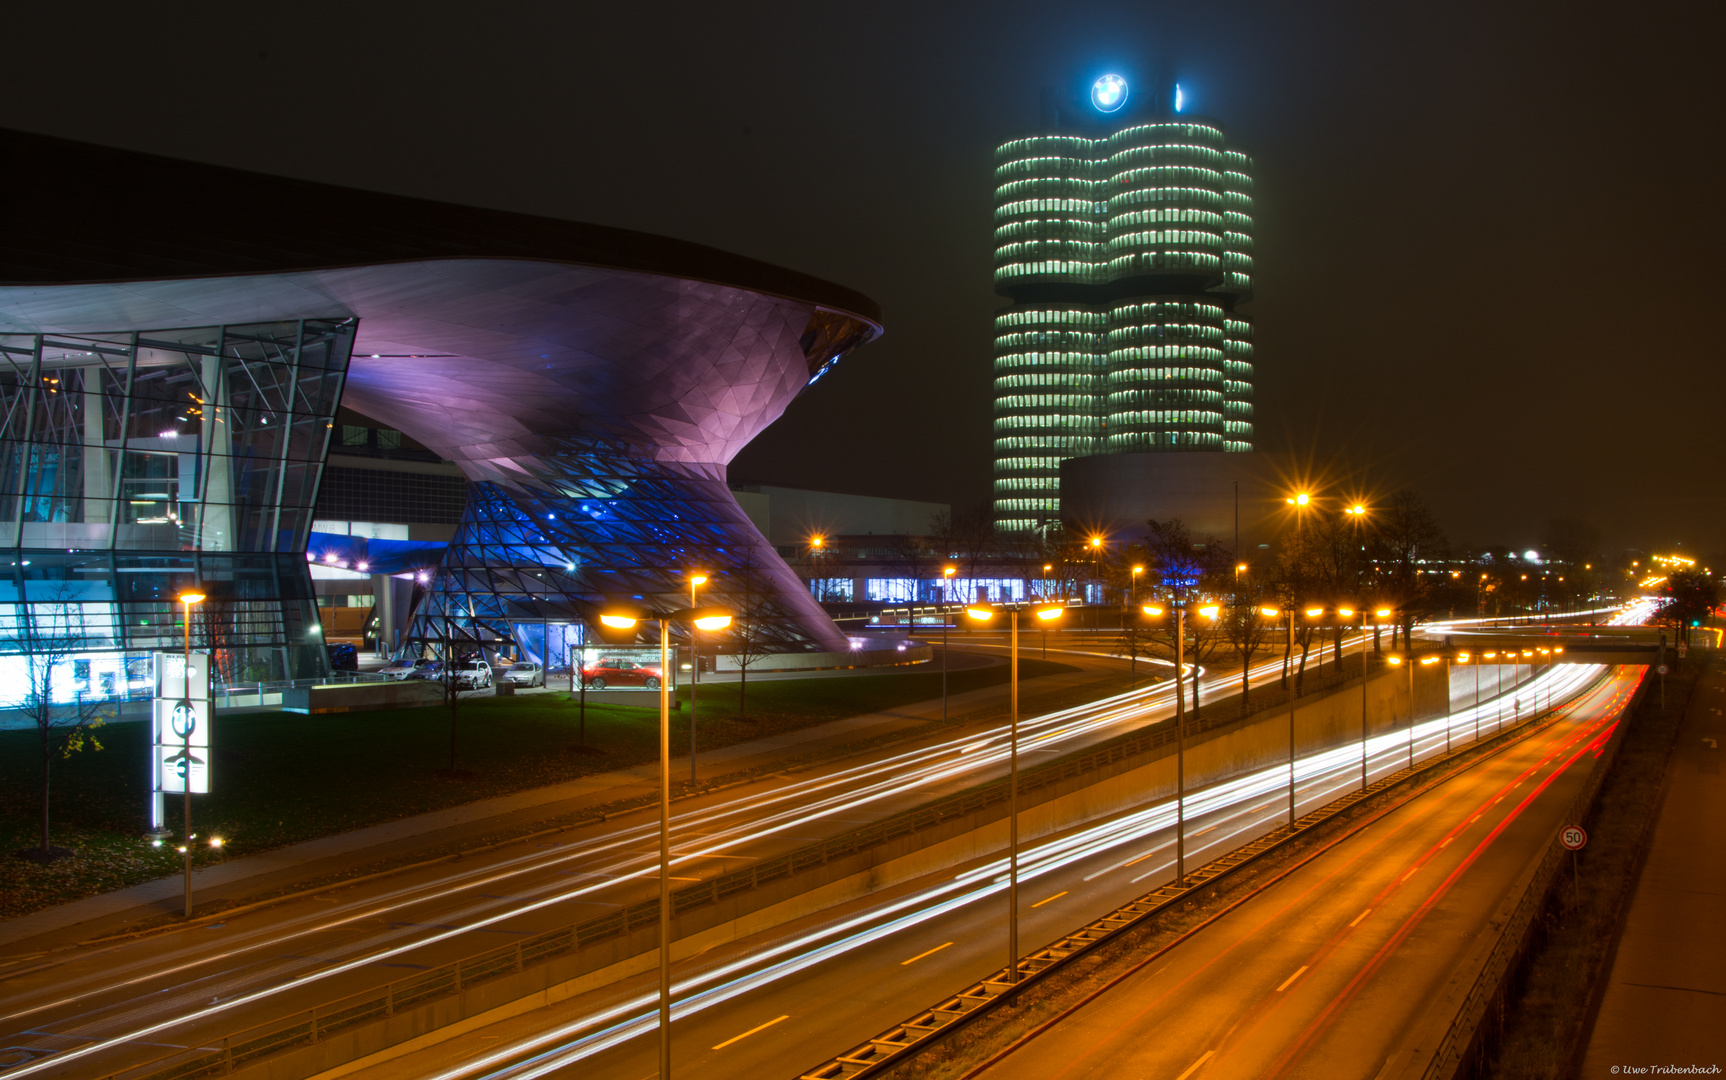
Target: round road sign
[
  {"x": 1662, "y": 669},
  {"x": 1573, "y": 837}
]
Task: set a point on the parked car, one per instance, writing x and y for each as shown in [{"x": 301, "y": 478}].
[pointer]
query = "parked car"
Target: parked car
[
  {"x": 427, "y": 669},
  {"x": 473, "y": 674},
  {"x": 402, "y": 669},
  {"x": 526, "y": 673},
  {"x": 617, "y": 672}
]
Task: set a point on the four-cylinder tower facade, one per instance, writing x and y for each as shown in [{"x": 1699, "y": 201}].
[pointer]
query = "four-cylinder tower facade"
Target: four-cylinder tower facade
[{"x": 1126, "y": 253}]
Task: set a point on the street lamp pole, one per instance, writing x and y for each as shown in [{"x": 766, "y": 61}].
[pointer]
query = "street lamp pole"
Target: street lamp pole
[
  {"x": 947, "y": 573},
  {"x": 1044, "y": 612},
  {"x": 627, "y": 618},
  {"x": 187, "y": 599},
  {"x": 665, "y": 846},
  {"x": 694, "y": 670}
]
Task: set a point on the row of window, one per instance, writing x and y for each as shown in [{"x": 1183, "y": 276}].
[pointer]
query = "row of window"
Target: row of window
[
  {"x": 1083, "y": 228},
  {"x": 1069, "y": 402},
  {"x": 1073, "y": 423},
  {"x": 1160, "y": 153},
  {"x": 1162, "y": 237},
  {"x": 1055, "y": 380},
  {"x": 1046, "y": 187},
  {"x": 1071, "y": 443},
  {"x": 1075, "y": 362}
]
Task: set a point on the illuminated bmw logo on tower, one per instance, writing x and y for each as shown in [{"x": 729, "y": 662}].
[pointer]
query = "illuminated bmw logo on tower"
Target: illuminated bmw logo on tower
[{"x": 1109, "y": 93}]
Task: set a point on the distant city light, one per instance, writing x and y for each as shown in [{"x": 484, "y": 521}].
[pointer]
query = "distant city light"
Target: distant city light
[
  {"x": 1531, "y": 556},
  {"x": 1180, "y": 98},
  {"x": 1109, "y": 93}
]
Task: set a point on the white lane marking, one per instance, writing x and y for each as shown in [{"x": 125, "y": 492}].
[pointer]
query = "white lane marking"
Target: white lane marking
[
  {"x": 1291, "y": 979},
  {"x": 1408, "y": 875},
  {"x": 1359, "y": 917}
]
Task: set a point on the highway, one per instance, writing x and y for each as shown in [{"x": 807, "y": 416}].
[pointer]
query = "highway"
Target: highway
[
  {"x": 92, "y": 1010},
  {"x": 783, "y": 1002},
  {"x": 109, "y": 1005},
  {"x": 1325, "y": 972}
]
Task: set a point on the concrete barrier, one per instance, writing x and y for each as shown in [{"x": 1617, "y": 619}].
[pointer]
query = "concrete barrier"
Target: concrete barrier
[{"x": 349, "y": 697}]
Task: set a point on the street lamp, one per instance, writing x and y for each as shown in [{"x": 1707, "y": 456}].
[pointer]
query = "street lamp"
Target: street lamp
[
  {"x": 187, "y": 599},
  {"x": 1045, "y": 614},
  {"x": 621, "y": 617},
  {"x": 1156, "y": 611},
  {"x": 947, "y": 573},
  {"x": 694, "y": 670}
]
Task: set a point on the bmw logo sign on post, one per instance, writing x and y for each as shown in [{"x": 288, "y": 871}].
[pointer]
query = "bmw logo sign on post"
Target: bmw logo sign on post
[
  {"x": 1573, "y": 837},
  {"x": 1109, "y": 93}
]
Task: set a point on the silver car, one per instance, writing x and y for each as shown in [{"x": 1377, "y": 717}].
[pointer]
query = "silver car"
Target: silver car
[{"x": 525, "y": 674}]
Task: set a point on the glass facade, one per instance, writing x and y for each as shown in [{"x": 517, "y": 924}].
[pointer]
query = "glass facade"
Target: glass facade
[
  {"x": 135, "y": 464},
  {"x": 592, "y": 521},
  {"x": 1125, "y": 257}
]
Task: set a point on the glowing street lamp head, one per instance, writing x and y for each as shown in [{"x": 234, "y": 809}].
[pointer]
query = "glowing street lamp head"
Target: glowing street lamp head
[
  {"x": 949, "y": 571},
  {"x": 980, "y": 613},
  {"x": 1314, "y": 612},
  {"x": 1209, "y": 611},
  {"x": 1269, "y": 612},
  {"x": 191, "y": 596},
  {"x": 1357, "y": 510},
  {"x": 1137, "y": 570},
  {"x": 1345, "y": 612},
  {"x": 698, "y": 579},
  {"x": 817, "y": 541},
  {"x": 1300, "y": 499},
  {"x": 1048, "y": 612},
  {"x": 619, "y": 622},
  {"x": 711, "y": 619},
  {"x": 1382, "y": 613},
  {"x": 1096, "y": 541},
  {"x": 1109, "y": 93},
  {"x": 1152, "y": 610}
]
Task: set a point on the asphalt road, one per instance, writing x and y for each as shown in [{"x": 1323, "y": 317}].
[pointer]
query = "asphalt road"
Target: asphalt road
[
  {"x": 1324, "y": 973},
  {"x": 780, "y": 1003},
  {"x": 134, "y": 1000}
]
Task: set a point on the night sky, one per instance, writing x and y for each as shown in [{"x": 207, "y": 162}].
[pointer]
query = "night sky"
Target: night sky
[{"x": 1489, "y": 235}]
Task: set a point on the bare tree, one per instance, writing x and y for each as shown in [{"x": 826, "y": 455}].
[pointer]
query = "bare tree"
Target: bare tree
[
  {"x": 1299, "y": 580},
  {"x": 49, "y": 633},
  {"x": 1244, "y": 625},
  {"x": 751, "y": 633},
  {"x": 1407, "y": 545},
  {"x": 1183, "y": 571}
]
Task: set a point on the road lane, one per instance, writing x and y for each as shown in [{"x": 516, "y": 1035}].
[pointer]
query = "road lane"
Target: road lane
[{"x": 837, "y": 984}]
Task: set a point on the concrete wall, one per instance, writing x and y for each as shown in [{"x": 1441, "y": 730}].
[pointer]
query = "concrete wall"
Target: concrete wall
[{"x": 347, "y": 697}]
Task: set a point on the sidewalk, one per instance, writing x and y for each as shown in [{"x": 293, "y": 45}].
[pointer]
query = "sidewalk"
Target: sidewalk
[
  {"x": 355, "y": 852},
  {"x": 1665, "y": 999}
]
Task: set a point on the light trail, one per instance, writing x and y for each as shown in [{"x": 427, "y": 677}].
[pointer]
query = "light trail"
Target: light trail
[
  {"x": 879, "y": 780},
  {"x": 638, "y": 1015}
]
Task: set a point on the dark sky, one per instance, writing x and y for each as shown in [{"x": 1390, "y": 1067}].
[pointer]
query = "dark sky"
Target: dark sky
[{"x": 1489, "y": 235}]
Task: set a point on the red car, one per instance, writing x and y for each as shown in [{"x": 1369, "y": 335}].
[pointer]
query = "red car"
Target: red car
[{"x": 615, "y": 672}]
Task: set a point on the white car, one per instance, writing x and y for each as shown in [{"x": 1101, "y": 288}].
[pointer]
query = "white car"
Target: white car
[
  {"x": 473, "y": 674},
  {"x": 401, "y": 669},
  {"x": 525, "y": 674}
]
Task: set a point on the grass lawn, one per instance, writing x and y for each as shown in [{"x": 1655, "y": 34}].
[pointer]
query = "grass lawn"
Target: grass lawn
[{"x": 280, "y": 778}]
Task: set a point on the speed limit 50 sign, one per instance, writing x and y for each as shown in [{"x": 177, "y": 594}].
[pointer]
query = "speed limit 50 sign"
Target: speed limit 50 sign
[{"x": 1573, "y": 837}]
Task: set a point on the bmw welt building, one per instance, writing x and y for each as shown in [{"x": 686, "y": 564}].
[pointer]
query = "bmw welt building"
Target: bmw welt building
[{"x": 176, "y": 340}]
